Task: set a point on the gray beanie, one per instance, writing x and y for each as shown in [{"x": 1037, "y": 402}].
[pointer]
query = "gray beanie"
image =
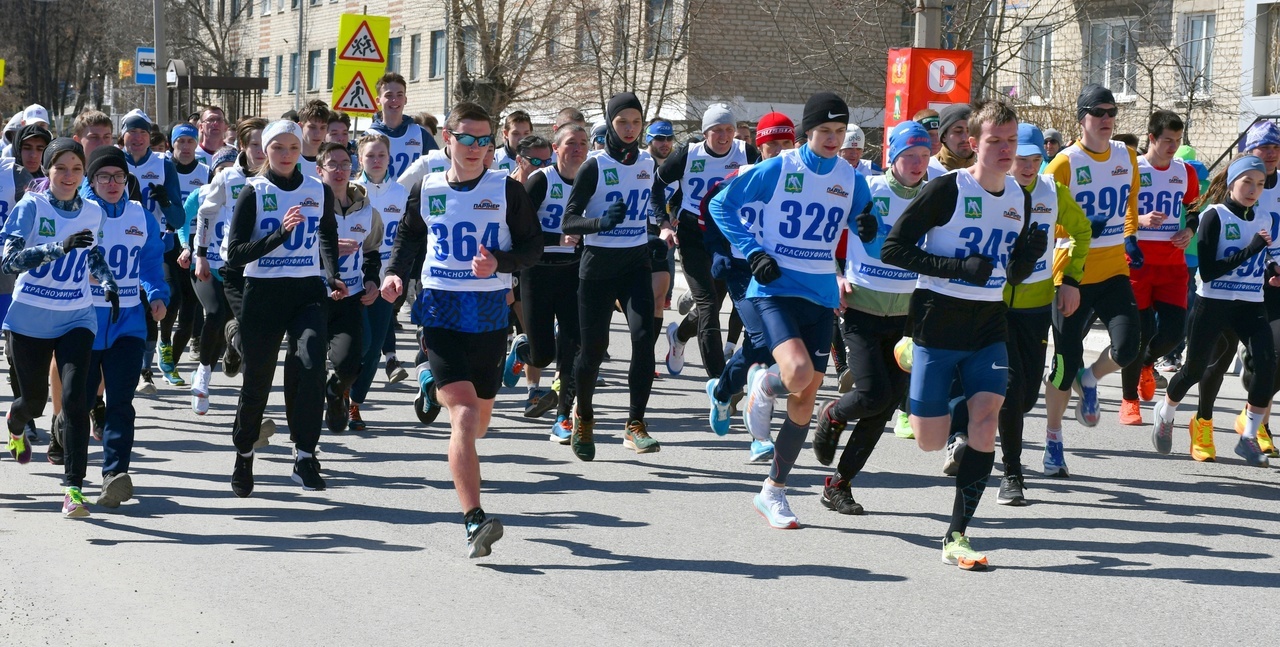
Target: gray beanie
[{"x": 716, "y": 114}]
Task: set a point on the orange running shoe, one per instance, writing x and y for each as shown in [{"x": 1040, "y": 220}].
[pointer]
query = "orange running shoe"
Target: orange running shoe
[
  {"x": 1147, "y": 384},
  {"x": 1202, "y": 440},
  {"x": 1130, "y": 412},
  {"x": 1264, "y": 436}
]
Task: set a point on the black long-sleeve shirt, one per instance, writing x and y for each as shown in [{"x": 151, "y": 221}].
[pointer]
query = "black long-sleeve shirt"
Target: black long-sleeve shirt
[
  {"x": 1210, "y": 231},
  {"x": 609, "y": 262},
  {"x": 672, "y": 171},
  {"x": 242, "y": 249},
  {"x": 536, "y": 188}
]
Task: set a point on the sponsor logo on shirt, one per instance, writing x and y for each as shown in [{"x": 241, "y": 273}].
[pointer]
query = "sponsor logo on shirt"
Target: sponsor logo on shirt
[
  {"x": 557, "y": 191},
  {"x": 794, "y": 183},
  {"x": 610, "y": 176},
  {"x": 1041, "y": 207},
  {"x": 732, "y": 165},
  {"x": 269, "y": 202},
  {"x": 310, "y": 202},
  {"x": 47, "y": 227},
  {"x": 391, "y": 208},
  {"x": 435, "y": 205},
  {"x": 1083, "y": 176},
  {"x": 1144, "y": 180},
  {"x": 359, "y": 229},
  {"x": 413, "y": 142},
  {"x": 1119, "y": 170},
  {"x": 697, "y": 166},
  {"x": 973, "y": 208},
  {"x": 880, "y": 206},
  {"x": 1012, "y": 214},
  {"x": 486, "y": 205},
  {"x": 1233, "y": 231},
  {"x": 150, "y": 175},
  {"x": 134, "y": 231},
  {"x": 837, "y": 190},
  {"x": 643, "y": 175},
  {"x": 1176, "y": 180}
]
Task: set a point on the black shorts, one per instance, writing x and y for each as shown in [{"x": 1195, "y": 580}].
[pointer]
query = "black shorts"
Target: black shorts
[
  {"x": 474, "y": 357},
  {"x": 659, "y": 254}
]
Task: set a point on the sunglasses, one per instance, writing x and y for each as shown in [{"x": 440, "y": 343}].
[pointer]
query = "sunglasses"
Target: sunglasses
[
  {"x": 661, "y": 138},
  {"x": 537, "y": 162},
  {"x": 471, "y": 140},
  {"x": 1103, "y": 112}
]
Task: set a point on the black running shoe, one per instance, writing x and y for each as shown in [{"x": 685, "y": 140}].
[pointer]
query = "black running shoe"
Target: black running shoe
[
  {"x": 336, "y": 410},
  {"x": 482, "y": 532},
  {"x": 1011, "y": 487},
  {"x": 827, "y": 436},
  {"x": 540, "y": 402},
  {"x": 54, "y": 453},
  {"x": 837, "y": 496},
  {"x": 306, "y": 472},
  {"x": 242, "y": 477},
  {"x": 230, "y": 357},
  {"x": 99, "y": 416}
]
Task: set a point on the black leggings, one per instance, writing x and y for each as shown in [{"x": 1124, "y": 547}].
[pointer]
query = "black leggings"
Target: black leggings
[
  {"x": 549, "y": 295},
  {"x": 878, "y": 384},
  {"x": 346, "y": 337},
  {"x": 1248, "y": 321},
  {"x": 213, "y": 339},
  {"x": 73, "y": 352},
  {"x": 273, "y": 308},
  {"x": 182, "y": 306},
  {"x": 634, "y": 289},
  {"x": 1113, "y": 302},
  {"x": 707, "y": 295},
  {"x": 1162, "y": 329},
  {"x": 1028, "y": 343}
]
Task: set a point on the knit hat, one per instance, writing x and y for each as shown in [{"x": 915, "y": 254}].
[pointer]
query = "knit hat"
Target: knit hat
[
  {"x": 854, "y": 138},
  {"x": 661, "y": 128},
  {"x": 598, "y": 132},
  {"x": 183, "y": 130},
  {"x": 905, "y": 135},
  {"x": 930, "y": 122},
  {"x": 1030, "y": 141},
  {"x": 135, "y": 119},
  {"x": 59, "y": 146},
  {"x": 1092, "y": 95},
  {"x": 948, "y": 116},
  {"x": 225, "y": 155},
  {"x": 715, "y": 115},
  {"x": 774, "y": 125},
  {"x": 290, "y": 115},
  {"x": 1243, "y": 165},
  {"x": 618, "y": 149},
  {"x": 1262, "y": 133},
  {"x": 1052, "y": 135},
  {"x": 279, "y": 129},
  {"x": 821, "y": 108},
  {"x": 106, "y": 157}
]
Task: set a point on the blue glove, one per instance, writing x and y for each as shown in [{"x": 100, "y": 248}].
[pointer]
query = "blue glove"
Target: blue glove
[
  {"x": 1133, "y": 251},
  {"x": 1098, "y": 223},
  {"x": 720, "y": 266}
]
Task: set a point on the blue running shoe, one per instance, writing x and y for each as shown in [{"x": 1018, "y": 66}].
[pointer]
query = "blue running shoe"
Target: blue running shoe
[
  {"x": 761, "y": 451},
  {"x": 562, "y": 430},
  {"x": 1055, "y": 462},
  {"x": 424, "y": 405},
  {"x": 514, "y": 366},
  {"x": 1087, "y": 412},
  {"x": 719, "y": 411}
]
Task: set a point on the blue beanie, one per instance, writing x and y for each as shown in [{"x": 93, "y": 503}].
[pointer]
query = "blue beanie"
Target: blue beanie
[
  {"x": 183, "y": 130},
  {"x": 1243, "y": 165},
  {"x": 1263, "y": 133},
  {"x": 135, "y": 119},
  {"x": 907, "y": 134}
]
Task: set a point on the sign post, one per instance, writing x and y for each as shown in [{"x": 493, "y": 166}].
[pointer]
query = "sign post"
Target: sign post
[
  {"x": 361, "y": 60},
  {"x": 920, "y": 79}
]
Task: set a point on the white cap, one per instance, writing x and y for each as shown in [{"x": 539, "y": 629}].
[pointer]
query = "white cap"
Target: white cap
[
  {"x": 854, "y": 138},
  {"x": 35, "y": 114},
  {"x": 278, "y": 129}
]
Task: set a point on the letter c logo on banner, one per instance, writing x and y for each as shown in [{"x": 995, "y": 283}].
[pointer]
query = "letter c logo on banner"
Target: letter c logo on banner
[{"x": 942, "y": 76}]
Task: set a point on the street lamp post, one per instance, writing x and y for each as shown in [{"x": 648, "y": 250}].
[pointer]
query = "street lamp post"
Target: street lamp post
[{"x": 162, "y": 65}]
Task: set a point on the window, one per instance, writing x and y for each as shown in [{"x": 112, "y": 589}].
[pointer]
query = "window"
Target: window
[
  {"x": 470, "y": 49},
  {"x": 1197, "y": 73},
  {"x": 280, "y": 6},
  {"x": 263, "y": 64},
  {"x": 588, "y": 41},
  {"x": 415, "y": 56},
  {"x": 293, "y": 4},
  {"x": 279, "y": 73},
  {"x": 393, "y": 55},
  {"x": 950, "y": 30},
  {"x": 439, "y": 49},
  {"x": 524, "y": 38},
  {"x": 248, "y": 67},
  {"x": 662, "y": 29},
  {"x": 332, "y": 59},
  {"x": 1113, "y": 56},
  {"x": 235, "y": 9},
  {"x": 1037, "y": 61},
  {"x": 266, "y": 7},
  {"x": 1266, "y": 79},
  {"x": 235, "y": 68},
  {"x": 313, "y": 70},
  {"x": 293, "y": 72},
  {"x": 553, "y": 35}
]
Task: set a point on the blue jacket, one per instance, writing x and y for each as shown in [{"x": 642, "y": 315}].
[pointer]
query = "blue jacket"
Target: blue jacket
[{"x": 133, "y": 316}]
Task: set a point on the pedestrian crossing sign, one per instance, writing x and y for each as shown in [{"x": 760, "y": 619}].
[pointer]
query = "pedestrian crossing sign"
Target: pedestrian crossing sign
[
  {"x": 352, "y": 92},
  {"x": 363, "y": 39}
]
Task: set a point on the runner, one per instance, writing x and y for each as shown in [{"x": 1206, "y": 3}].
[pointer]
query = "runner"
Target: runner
[
  {"x": 609, "y": 207},
  {"x": 409, "y": 141},
  {"x": 482, "y": 229},
  {"x": 660, "y": 140},
  {"x": 14, "y": 179},
  {"x": 1230, "y": 298},
  {"x": 314, "y": 119},
  {"x": 30, "y": 143},
  {"x": 851, "y": 151},
  {"x": 1103, "y": 178},
  {"x": 339, "y": 132},
  {"x": 515, "y": 127},
  {"x": 793, "y": 288},
  {"x": 958, "y": 312},
  {"x": 953, "y": 134},
  {"x": 49, "y": 242},
  {"x": 284, "y": 234},
  {"x": 213, "y": 132},
  {"x": 184, "y": 311},
  {"x": 929, "y": 119}
]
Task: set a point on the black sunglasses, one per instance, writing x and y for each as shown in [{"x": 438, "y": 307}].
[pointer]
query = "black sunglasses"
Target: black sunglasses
[
  {"x": 471, "y": 140},
  {"x": 1103, "y": 112},
  {"x": 536, "y": 161}
]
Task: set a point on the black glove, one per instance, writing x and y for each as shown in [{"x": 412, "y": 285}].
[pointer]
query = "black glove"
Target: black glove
[
  {"x": 613, "y": 216},
  {"x": 79, "y": 240},
  {"x": 765, "y": 269},
  {"x": 160, "y": 195},
  {"x": 720, "y": 266},
  {"x": 868, "y": 226},
  {"x": 1097, "y": 223},
  {"x": 976, "y": 269},
  {"x": 1134, "y": 252},
  {"x": 1033, "y": 245},
  {"x": 113, "y": 298}
]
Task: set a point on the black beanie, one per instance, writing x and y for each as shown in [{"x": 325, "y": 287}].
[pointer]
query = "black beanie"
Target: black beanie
[
  {"x": 821, "y": 108},
  {"x": 617, "y": 149},
  {"x": 59, "y": 146},
  {"x": 106, "y": 157},
  {"x": 1092, "y": 95},
  {"x": 948, "y": 116}
]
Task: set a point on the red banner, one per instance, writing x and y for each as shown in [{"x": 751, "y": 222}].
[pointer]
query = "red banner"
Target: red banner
[{"x": 920, "y": 79}]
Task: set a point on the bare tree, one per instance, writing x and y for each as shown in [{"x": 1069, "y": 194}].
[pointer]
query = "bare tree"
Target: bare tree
[
  {"x": 204, "y": 33},
  {"x": 495, "y": 45}
]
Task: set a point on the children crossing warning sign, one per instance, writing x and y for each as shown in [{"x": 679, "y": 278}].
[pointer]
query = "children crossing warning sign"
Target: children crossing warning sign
[
  {"x": 353, "y": 94},
  {"x": 363, "y": 39}
]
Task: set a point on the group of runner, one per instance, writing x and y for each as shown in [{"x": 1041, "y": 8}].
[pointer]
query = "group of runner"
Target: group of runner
[{"x": 936, "y": 282}]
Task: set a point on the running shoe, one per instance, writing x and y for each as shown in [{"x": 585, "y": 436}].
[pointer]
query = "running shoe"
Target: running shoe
[
  {"x": 54, "y": 452},
  {"x": 1147, "y": 383},
  {"x": 734, "y": 401},
  {"x": 514, "y": 367},
  {"x": 1130, "y": 412},
  {"x": 761, "y": 451},
  {"x": 166, "y": 358},
  {"x": 837, "y": 496},
  {"x": 1055, "y": 460},
  {"x": 1247, "y": 448},
  {"x": 98, "y": 418},
  {"x": 231, "y": 357},
  {"x": 306, "y": 472},
  {"x": 827, "y": 437},
  {"x": 173, "y": 378},
  {"x": 562, "y": 430},
  {"x": 637, "y": 438},
  {"x": 116, "y": 489},
  {"x": 1264, "y": 436},
  {"x": 73, "y": 503},
  {"x": 1011, "y": 491},
  {"x": 583, "y": 439},
  {"x": 540, "y": 401},
  {"x": 335, "y": 410},
  {"x": 772, "y": 504},
  {"x": 902, "y": 428},
  {"x": 20, "y": 448},
  {"x": 242, "y": 476},
  {"x": 685, "y": 303},
  {"x": 424, "y": 405},
  {"x": 1202, "y": 448},
  {"x": 357, "y": 423},
  {"x": 675, "y": 349},
  {"x": 956, "y": 445},
  {"x": 1162, "y": 382},
  {"x": 200, "y": 390},
  {"x": 482, "y": 532},
  {"x": 266, "y": 430},
  {"x": 1169, "y": 365},
  {"x": 758, "y": 413},
  {"x": 718, "y": 412},
  {"x": 845, "y": 381},
  {"x": 1087, "y": 412},
  {"x": 958, "y": 551},
  {"x": 395, "y": 372},
  {"x": 147, "y": 385}
]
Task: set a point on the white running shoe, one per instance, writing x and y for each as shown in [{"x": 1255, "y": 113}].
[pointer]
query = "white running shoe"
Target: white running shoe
[
  {"x": 675, "y": 349},
  {"x": 757, "y": 414},
  {"x": 771, "y": 503},
  {"x": 200, "y": 389}
]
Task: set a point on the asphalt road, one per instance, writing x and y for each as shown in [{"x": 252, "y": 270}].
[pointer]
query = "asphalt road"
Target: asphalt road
[{"x": 661, "y": 549}]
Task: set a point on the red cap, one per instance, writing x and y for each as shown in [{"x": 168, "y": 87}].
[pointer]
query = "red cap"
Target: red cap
[{"x": 774, "y": 125}]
